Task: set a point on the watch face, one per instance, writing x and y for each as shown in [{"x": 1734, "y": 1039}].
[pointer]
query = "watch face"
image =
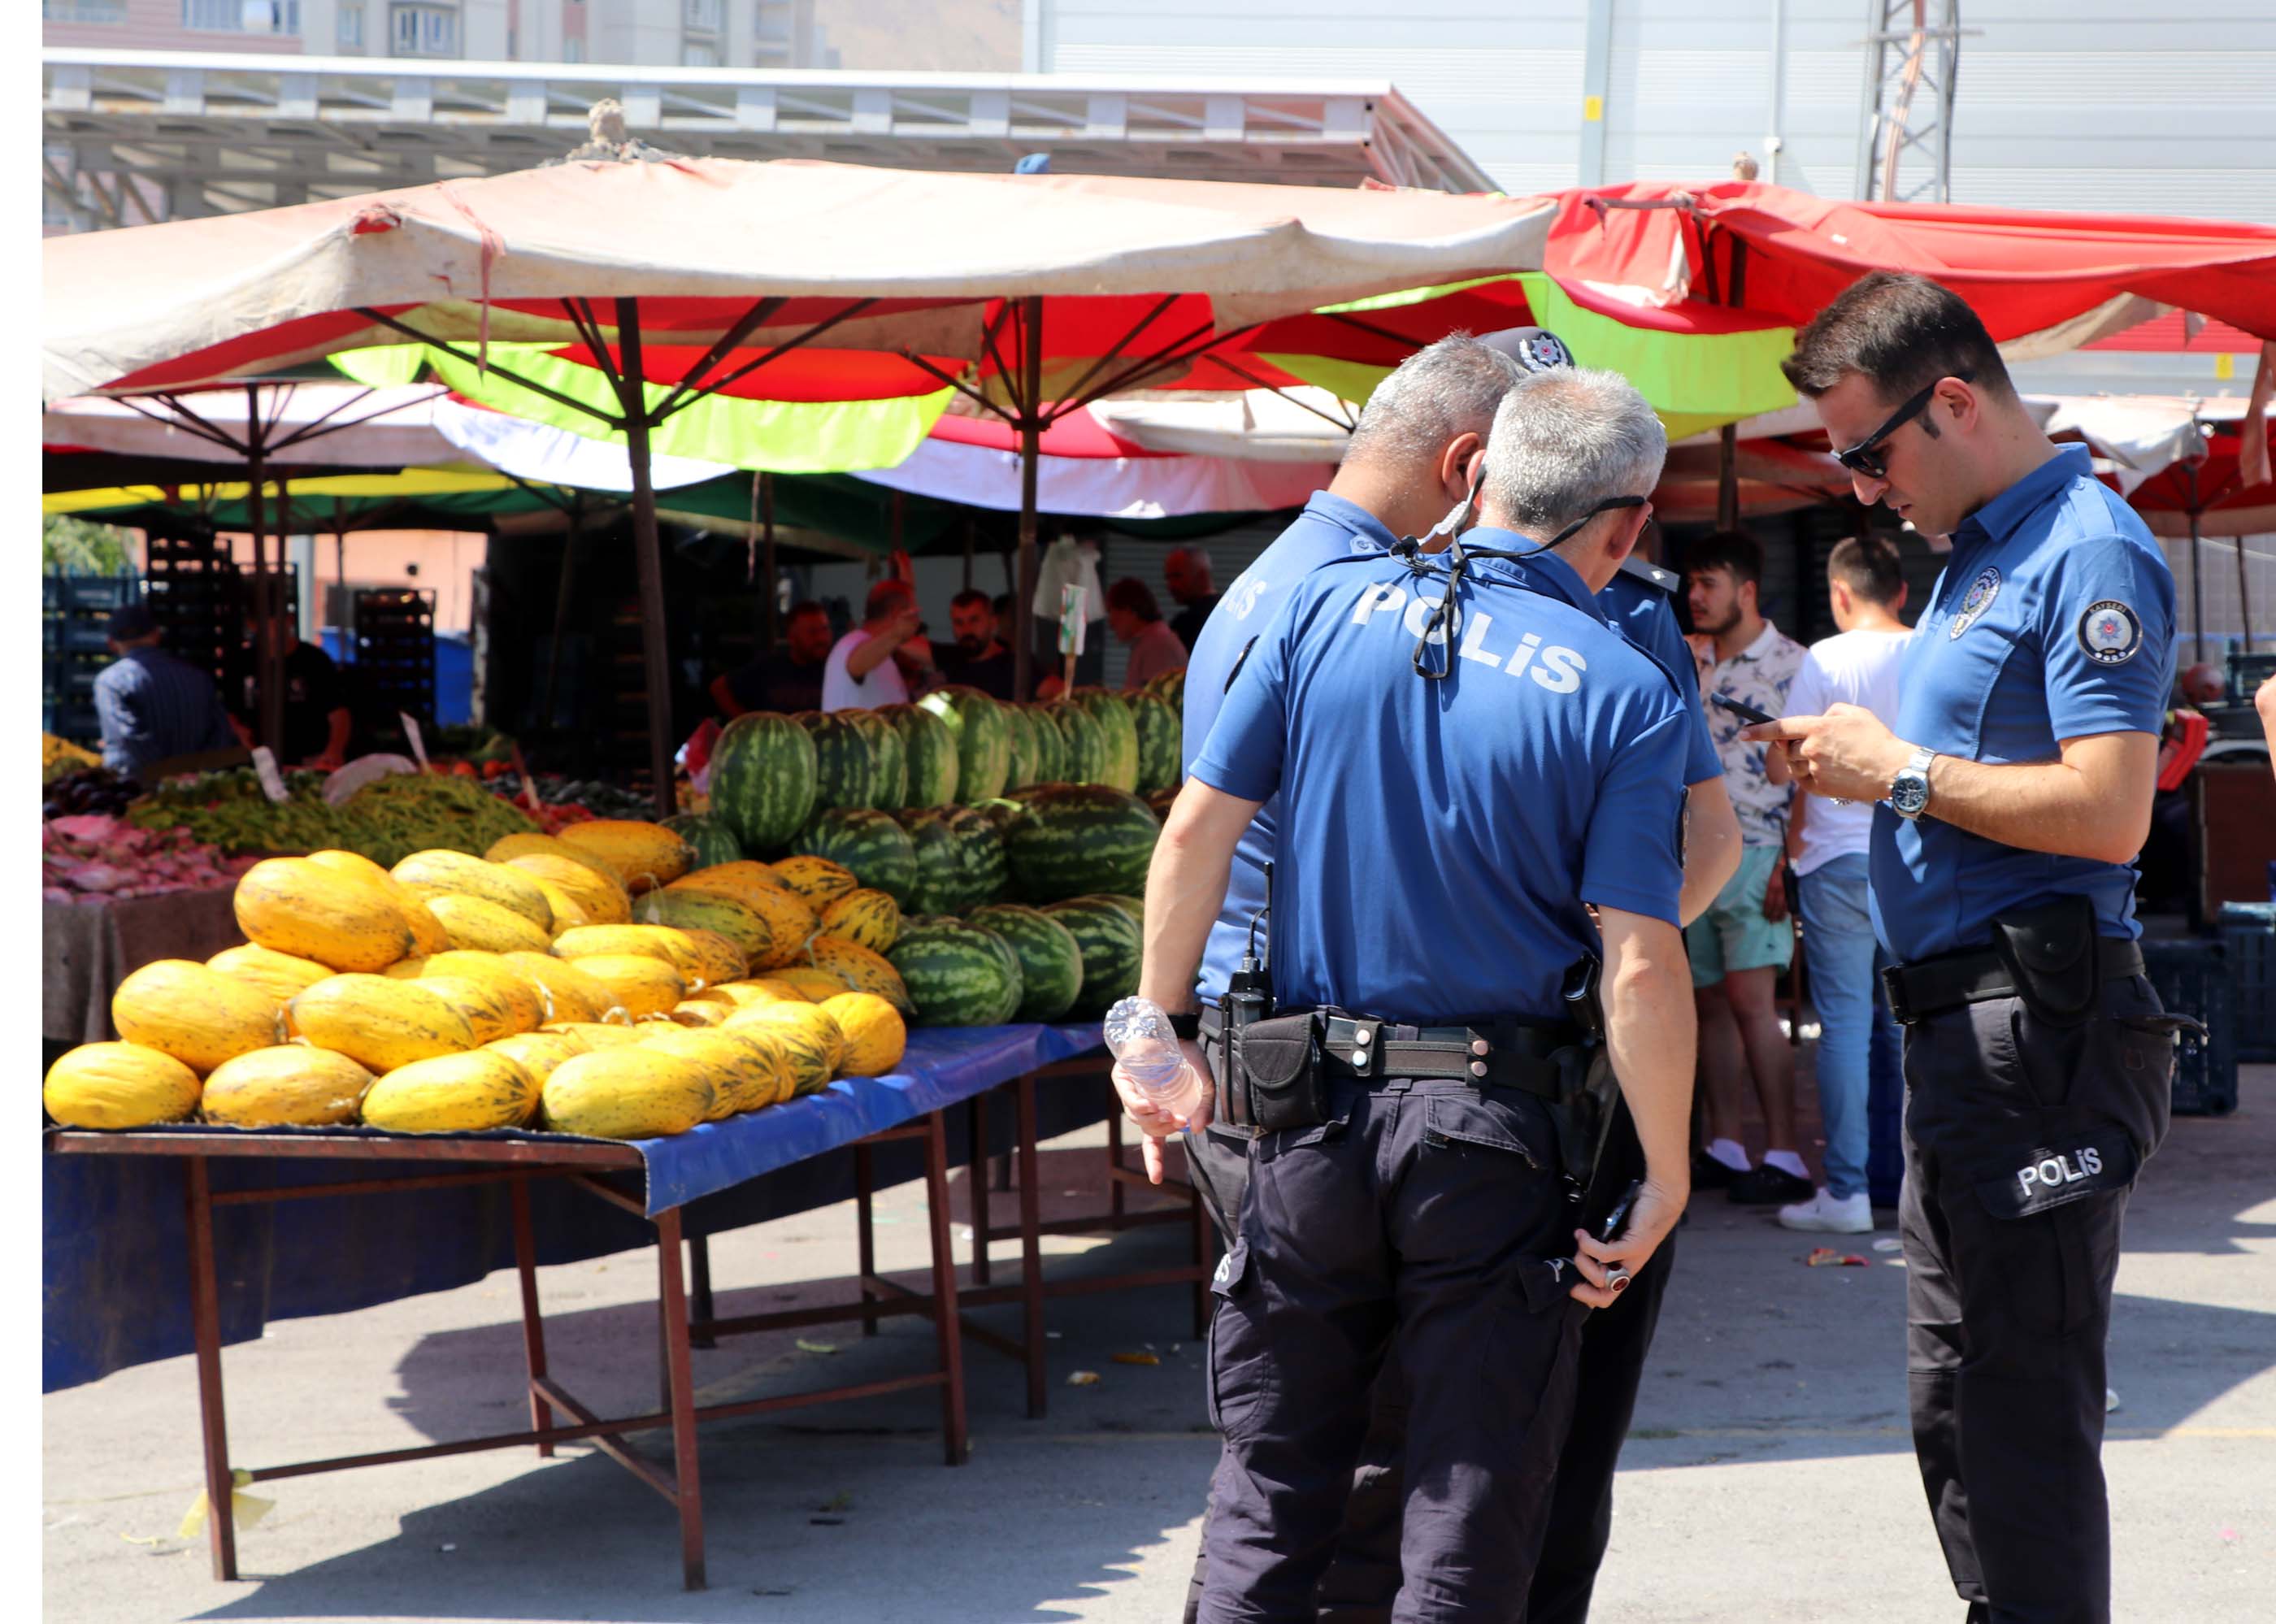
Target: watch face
[{"x": 1909, "y": 793}]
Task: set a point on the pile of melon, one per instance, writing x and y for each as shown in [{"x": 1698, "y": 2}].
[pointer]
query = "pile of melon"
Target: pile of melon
[{"x": 596, "y": 983}]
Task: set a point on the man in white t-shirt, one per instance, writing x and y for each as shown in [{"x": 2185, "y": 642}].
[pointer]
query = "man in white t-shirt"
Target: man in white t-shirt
[
  {"x": 1826, "y": 842},
  {"x": 860, "y": 673}
]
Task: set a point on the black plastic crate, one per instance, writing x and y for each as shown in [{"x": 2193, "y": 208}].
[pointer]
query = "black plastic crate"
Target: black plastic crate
[
  {"x": 2248, "y": 932},
  {"x": 2193, "y": 977}
]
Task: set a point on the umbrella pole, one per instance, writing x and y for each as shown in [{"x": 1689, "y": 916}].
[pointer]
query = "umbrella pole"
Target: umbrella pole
[
  {"x": 340, "y": 567},
  {"x": 2196, "y": 565},
  {"x": 656, "y": 663},
  {"x": 2243, "y": 595},
  {"x": 267, "y": 657},
  {"x": 1031, "y": 312},
  {"x": 561, "y": 601},
  {"x": 1727, "y": 481},
  {"x": 767, "y": 558}
]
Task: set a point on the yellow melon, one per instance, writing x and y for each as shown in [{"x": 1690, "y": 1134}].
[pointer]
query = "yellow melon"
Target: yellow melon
[
  {"x": 280, "y": 976},
  {"x": 660, "y": 942},
  {"x": 200, "y": 1016},
  {"x": 381, "y": 1022},
  {"x": 870, "y": 919},
  {"x": 437, "y": 874},
  {"x": 568, "y": 912},
  {"x": 815, "y": 1044},
  {"x": 819, "y": 881},
  {"x": 453, "y": 1094},
  {"x": 574, "y": 996},
  {"x": 643, "y": 985},
  {"x": 584, "y": 878},
  {"x": 718, "y": 961},
  {"x": 491, "y": 1012},
  {"x": 876, "y": 1036},
  {"x": 642, "y": 855},
  {"x": 532, "y": 1004},
  {"x": 296, "y": 1086},
  {"x": 119, "y": 1085},
  {"x": 691, "y": 1012},
  {"x": 815, "y": 984},
  {"x": 539, "y": 1052},
  {"x": 862, "y": 970},
  {"x": 477, "y": 924},
  {"x": 630, "y": 1093},
  {"x": 597, "y": 1036},
  {"x": 292, "y": 905},
  {"x": 426, "y": 933},
  {"x": 745, "y": 1074}
]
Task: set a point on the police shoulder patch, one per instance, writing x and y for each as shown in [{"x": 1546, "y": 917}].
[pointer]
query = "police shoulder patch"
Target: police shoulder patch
[{"x": 2110, "y": 632}]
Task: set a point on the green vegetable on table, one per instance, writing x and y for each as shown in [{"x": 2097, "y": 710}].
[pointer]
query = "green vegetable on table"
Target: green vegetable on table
[{"x": 386, "y": 821}]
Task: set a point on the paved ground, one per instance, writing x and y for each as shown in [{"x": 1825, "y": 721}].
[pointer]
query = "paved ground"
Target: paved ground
[{"x": 1769, "y": 1479}]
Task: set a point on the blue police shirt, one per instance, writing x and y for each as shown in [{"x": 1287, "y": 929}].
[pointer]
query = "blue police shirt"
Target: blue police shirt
[
  {"x": 2053, "y": 620},
  {"x": 1640, "y": 606},
  {"x": 1330, "y": 527},
  {"x": 1438, "y": 838}
]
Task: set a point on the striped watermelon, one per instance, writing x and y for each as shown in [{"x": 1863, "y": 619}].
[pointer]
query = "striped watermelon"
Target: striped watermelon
[
  {"x": 1110, "y": 948},
  {"x": 983, "y": 739},
  {"x": 1023, "y": 746},
  {"x": 762, "y": 780},
  {"x": 1170, "y": 688},
  {"x": 845, "y": 766},
  {"x": 870, "y": 844},
  {"x": 1083, "y": 760},
  {"x": 1049, "y": 762},
  {"x": 708, "y": 837},
  {"x": 890, "y": 785},
  {"x": 929, "y": 750},
  {"x": 1050, "y": 962},
  {"x": 941, "y": 885},
  {"x": 1119, "y": 768},
  {"x": 1075, "y": 839},
  {"x": 986, "y": 868},
  {"x": 1161, "y": 743},
  {"x": 958, "y": 974},
  {"x": 1136, "y": 906}
]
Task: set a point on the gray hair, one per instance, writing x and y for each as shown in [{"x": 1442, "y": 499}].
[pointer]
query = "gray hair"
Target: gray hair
[
  {"x": 1453, "y": 387},
  {"x": 1564, "y": 441}
]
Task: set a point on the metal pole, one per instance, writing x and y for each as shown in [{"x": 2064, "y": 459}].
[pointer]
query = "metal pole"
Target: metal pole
[
  {"x": 267, "y": 656},
  {"x": 767, "y": 561},
  {"x": 1727, "y": 481},
  {"x": 1031, "y": 429},
  {"x": 340, "y": 571},
  {"x": 2243, "y": 595},
  {"x": 2197, "y": 563},
  {"x": 561, "y": 601},
  {"x": 656, "y": 662}
]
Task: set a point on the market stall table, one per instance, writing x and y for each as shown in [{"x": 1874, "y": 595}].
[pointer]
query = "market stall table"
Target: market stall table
[
  {"x": 942, "y": 1067},
  {"x": 89, "y": 947}
]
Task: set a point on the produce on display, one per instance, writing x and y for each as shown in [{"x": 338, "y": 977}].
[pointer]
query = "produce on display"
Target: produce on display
[
  {"x": 1118, "y": 735},
  {"x": 983, "y": 739},
  {"x": 291, "y": 904},
  {"x": 707, "y": 836},
  {"x": 572, "y": 994},
  {"x": 868, "y": 844},
  {"x": 957, "y": 974},
  {"x": 119, "y": 1085},
  {"x": 380, "y": 1021},
  {"x": 292, "y": 1086},
  {"x": 1160, "y": 740},
  {"x": 281, "y": 975},
  {"x": 811, "y": 1042},
  {"x": 527, "y": 1000},
  {"x": 846, "y": 771},
  {"x": 1110, "y": 943},
  {"x": 745, "y": 1074},
  {"x": 594, "y": 887},
  {"x": 199, "y": 1016},
  {"x": 539, "y": 1052},
  {"x": 642, "y": 855},
  {"x": 817, "y": 879},
  {"x": 89, "y": 790},
  {"x": 889, "y": 776},
  {"x": 460, "y": 1093},
  {"x": 1083, "y": 752},
  {"x": 483, "y": 926},
  {"x": 876, "y": 1036},
  {"x": 743, "y": 923},
  {"x": 433, "y": 876},
  {"x": 90, "y": 858},
  {"x": 762, "y": 780},
  {"x": 868, "y": 918},
  {"x": 633, "y": 1092},
  {"x": 60, "y": 758},
  {"x": 426, "y": 933},
  {"x": 854, "y": 967},
  {"x": 1050, "y": 962},
  {"x": 642, "y": 984},
  {"x": 929, "y": 754},
  {"x": 1075, "y": 838},
  {"x": 385, "y": 820}
]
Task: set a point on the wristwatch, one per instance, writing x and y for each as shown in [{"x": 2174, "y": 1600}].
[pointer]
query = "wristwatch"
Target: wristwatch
[
  {"x": 1186, "y": 1025},
  {"x": 1908, "y": 790}
]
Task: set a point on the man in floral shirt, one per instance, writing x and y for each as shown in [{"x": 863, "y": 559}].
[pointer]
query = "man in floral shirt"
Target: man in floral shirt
[{"x": 1745, "y": 938}]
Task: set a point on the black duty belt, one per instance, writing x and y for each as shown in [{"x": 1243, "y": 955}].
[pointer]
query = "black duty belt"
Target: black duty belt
[
  {"x": 1505, "y": 1054},
  {"x": 1932, "y": 986}
]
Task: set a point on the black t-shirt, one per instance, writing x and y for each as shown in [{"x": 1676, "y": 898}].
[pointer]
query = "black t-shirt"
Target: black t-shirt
[
  {"x": 313, "y": 691},
  {"x": 990, "y": 673},
  {"x": 777, "y": 682},
  {"x": 1189, "y": 621}
]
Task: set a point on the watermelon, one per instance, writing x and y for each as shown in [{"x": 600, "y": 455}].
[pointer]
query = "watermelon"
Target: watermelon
[
  {"x": 1110, "y": 948},
  {"x": 987, "y": 871},
  {"x": 870, "y": 845},
  {"x": 983, "y": 739},
  {"x": 1074, "y": 839},
  {"x": 708, "y": 837},
  {"x": 1084, "y": 759},
  {"x": 890, "y": 785},
  {"x": 1170, "y": 688},
  {"x": 1136, "y": 906},
  {"x": 762, "y": 780},
  {"x": 928, "y": 752},
  {"x": 1119, "y": 768},
  {"x": 1161, "y": 743},
  {"x": 844, "y": 767},
  {"x": 1023, "y": 746},
  {"x": 941, "y": 884},
  {"x": 1001, "y": 812},
  {"x": 1049, "y": 762},
  {"x": 958, "y": 974},
  {"x": 1161, "y": 801},
  {"x": 1050, "y": 962}
]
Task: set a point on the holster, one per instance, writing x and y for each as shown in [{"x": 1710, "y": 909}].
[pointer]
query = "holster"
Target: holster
[
  {"x": 1274, "y": 1079},
  {"x": 2052, "y": 952}
]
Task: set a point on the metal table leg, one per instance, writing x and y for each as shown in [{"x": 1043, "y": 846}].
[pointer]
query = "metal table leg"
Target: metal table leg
[
  {"x": 680, "y": 1398},
  {"x": 1031, "y": 1247},
  {"x": 699, "y": 1267},
  {"x": 205, "y": 1320},
  {"x": 946, "y": 1324},
  {"x": 865, "y": 1234},
  {"x": 976, "y": 1181},
  {"x": 532, "y": 1319}
]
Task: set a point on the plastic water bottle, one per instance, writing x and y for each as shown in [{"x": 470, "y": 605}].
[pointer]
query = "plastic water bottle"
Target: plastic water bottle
[{"x": 1147, "y": 1053}]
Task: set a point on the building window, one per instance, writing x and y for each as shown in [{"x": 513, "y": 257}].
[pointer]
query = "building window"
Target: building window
[
  {"x": 350, "y": 27},
  {"x": 423, "y": 31},
  {"x": 699, "y": 53},
  {"x": 702, "y": 16},
  {"x": 572, "y": 50},
  {"x": 83, "y": 11},
  {"x": 242, "y": 15}
]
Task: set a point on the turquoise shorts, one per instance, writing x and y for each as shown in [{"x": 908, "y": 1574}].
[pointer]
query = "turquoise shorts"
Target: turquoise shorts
[{"x": 1732, "y": 934}]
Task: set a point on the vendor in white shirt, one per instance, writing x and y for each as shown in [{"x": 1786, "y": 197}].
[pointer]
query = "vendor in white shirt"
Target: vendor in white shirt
[
  {"x": 1827, "y": 841},
  {"x": 860, "y": 673}
]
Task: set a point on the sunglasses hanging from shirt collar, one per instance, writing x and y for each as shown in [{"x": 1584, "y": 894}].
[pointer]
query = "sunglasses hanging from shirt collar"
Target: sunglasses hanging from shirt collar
[{"x": 1445, "y": 614}]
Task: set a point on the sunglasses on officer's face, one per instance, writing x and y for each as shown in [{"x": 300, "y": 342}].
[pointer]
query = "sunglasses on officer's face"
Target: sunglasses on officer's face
[{"x": 1865, "y": 457}]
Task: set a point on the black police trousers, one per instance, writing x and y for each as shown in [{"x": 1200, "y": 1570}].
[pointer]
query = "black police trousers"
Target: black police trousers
[
  {"x": 2023, "y": 1137},
  {"x": 1420, "y": 1223},
  {"x": 1363, "y": 1580}
]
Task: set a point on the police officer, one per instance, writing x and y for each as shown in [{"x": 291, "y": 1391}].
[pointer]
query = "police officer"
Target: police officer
[
  {"x": 2014, "y": 792},
  {"x": 1410, "y": 461},
  {"x": 1406, "y": 1184}
]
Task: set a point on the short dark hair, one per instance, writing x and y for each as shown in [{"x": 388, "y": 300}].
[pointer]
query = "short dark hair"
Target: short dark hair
[
  {"x": 1901, "y": 332},
  {"x": 131, "y": 621},
  {"x": 887, "y": 596},
  {"x": 1869, "y": 566},
  {"x": 804, "y": 607},
  {"x": 1735, "y": 552},
  {"x": 971, "y": 599},
  {"x": 1132, "y": 596}
]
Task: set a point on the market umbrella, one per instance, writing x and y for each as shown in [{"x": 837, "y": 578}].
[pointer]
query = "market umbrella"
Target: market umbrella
[{"x": 985, "y": 284}]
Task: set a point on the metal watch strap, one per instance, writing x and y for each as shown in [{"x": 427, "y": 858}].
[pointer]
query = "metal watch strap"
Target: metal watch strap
[{"x": 1916, "y": 765}]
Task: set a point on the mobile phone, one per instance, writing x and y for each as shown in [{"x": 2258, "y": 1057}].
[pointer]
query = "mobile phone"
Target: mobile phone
[
  {"x": 1744, "y": 711},
  {"x": 1616, "y": 1221}
]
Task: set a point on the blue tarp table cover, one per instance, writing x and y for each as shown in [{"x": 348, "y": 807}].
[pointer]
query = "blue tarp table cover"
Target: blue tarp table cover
[{"x": 116, "y": 1282}]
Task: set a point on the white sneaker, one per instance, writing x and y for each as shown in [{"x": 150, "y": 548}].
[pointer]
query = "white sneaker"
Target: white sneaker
[{"x": 1828, "y": 1214}]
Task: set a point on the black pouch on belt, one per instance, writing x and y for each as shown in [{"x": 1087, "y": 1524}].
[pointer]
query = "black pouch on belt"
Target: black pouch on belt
[
  {"x": 1276, "y": 1068},
  {"x": 2052, "y": 953}
]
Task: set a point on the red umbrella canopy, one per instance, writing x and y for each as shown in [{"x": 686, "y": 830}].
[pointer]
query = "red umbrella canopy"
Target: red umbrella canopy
[
  {"x": 1657, "y": 254},
  {"x": 2213, "y": 488}
]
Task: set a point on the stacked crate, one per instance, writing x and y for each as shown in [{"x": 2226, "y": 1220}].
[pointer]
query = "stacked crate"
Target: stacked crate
[
  {"x": 395, "y": 653},
  {"x": 75, "y": 629}
]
